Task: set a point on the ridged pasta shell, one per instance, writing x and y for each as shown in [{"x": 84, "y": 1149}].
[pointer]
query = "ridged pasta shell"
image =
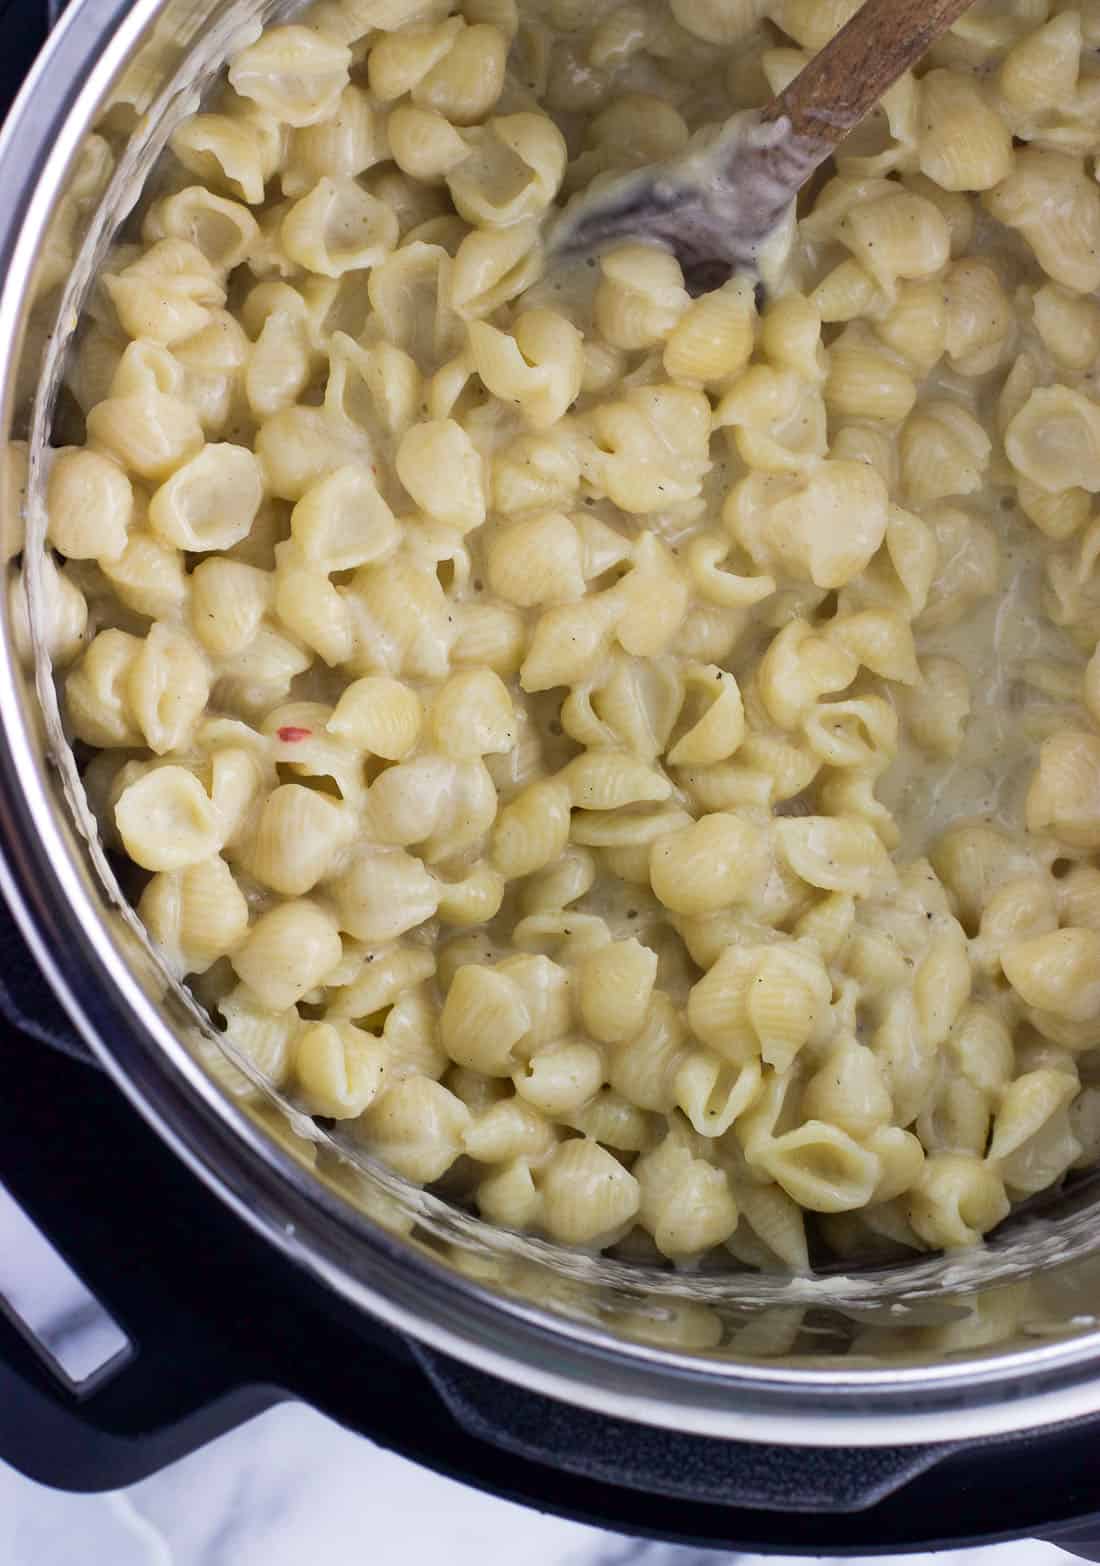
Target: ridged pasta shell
[
  {"x": 1040, "y": 72},
  {"x": 714, "y": 338},
  {"x": 509, "y": 1196},
  {"x": 417, "y": 1127},
  {"x": 262, "y": 1036},
  {"x": 564, "y": 934},
  {"x": 339, "y": 1068},
  {"x": 148, "y": 576},
  {"x": 1054, "y": 440},
  {"x": 812, "y": 23},
  {"x": 1057, "y": 973},
  {"x": 565, "y": 645},
  {"x": 608, "y": 780},
  {"x": 1064, "y": 797},
  {"x": 783, "y": 1014},
  {"x": 561, "y": 1077},
  {"x": 213, "y": 912},
  {"x": 379, "y": 714},
  {"x": 778, "y": 1222},
  {"x": 384, "y": 976},
  {"x": 509, "y": 1129},
  {"x": 964, "y": 143},
  {"x": 700, "y": 1212},
  {"x": 546, "y": 990},
  {"x": 1027, "y": 1104},
  {"x": 716, "y": 1006},
  {"x": 560, "y": 884},
  {"x": 827, "y": 923},
  {"x": 483, "y": 1018},
  {"x": 865, "y": 383},
  {"x": 533, "y": 829},
  {"x": 642, "y": 1068},
  {"x": 718, "y": 732},
  {"x": 712, "y": 1093},
  {"x": 587, "y": 1194},
  {"x": 956, "y": 1200},
  {"x": 411, "y": 1033},
  {"x": 614, "y": 1121},
  {"x": 293, "y": 72},
  {"x": 1051, "y": 201},
  {"x": 613, "y": 989},
  {"x": 845, "y": 293},
  {"x": 848, "y": 1090},
  {"x": 837, "y": 855},
  {"x": 626, "y": 828},
  {"x": 821, "y": 1168},
  {"x": 901, "y": 1157}
]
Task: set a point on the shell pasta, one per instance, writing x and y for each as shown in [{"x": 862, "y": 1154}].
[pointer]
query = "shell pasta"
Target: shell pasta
[{"x": 631, "y": 758}]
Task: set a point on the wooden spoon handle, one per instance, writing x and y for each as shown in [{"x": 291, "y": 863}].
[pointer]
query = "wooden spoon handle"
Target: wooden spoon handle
[{"x": 842, "y": 84}]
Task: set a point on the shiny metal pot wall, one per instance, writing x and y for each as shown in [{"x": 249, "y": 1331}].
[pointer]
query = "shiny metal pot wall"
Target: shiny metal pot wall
[{"x": 996, "y": 1340}]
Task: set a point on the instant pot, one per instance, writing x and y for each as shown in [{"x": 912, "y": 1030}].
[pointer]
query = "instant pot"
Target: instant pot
[{"x": 245, "y": 1257}]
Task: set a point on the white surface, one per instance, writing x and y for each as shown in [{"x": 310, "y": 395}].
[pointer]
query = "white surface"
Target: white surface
[{"x": 292, "y": 1489}]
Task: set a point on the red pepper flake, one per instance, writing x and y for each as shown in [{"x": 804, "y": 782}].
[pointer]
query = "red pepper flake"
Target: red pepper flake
[{"x": 291, "y": 735}]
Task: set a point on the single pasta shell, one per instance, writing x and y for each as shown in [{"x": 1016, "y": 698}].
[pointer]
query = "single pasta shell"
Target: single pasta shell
[
  {"x": 510, "y": 1197},
  {"x": 587, "y": 1194},
  {"x": 608, "y": 780},
  {"x": 712, "y": 1093},
  {"x": 975, "y": 160},
  {"x": 642, "y": 1067},
  {"x": 782, "y": 1013},
  {"x": 1041, "y": 71},
  {"x": 1058, "y": 973},
  {"x": 380, "y": 714},
  {"x": 821, "y": 1168},
  {"x": 533, "y": 830},
  {"x": 213, "y": 910},
  {"x": 483, "y": 1018},
  {"x": 714, "y": 338},
  {"x": 264, "y": 1037},
  {"x": 1026, "y": 1105},
  {"x": 778, "y": 1222},
  {"x": 700, "y": 1213},
  {"x": 1064, "y": 797}
]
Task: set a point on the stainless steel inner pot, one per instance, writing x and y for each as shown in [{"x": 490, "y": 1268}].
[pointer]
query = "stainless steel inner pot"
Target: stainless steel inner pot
[{"x": 998, "y": 1339}]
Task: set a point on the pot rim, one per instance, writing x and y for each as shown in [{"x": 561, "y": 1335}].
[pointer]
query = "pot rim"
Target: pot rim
[{"x": 399, "y": 1284}]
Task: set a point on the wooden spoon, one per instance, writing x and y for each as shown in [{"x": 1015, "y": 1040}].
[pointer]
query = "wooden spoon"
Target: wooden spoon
[{"x": 715, "y": 206}]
